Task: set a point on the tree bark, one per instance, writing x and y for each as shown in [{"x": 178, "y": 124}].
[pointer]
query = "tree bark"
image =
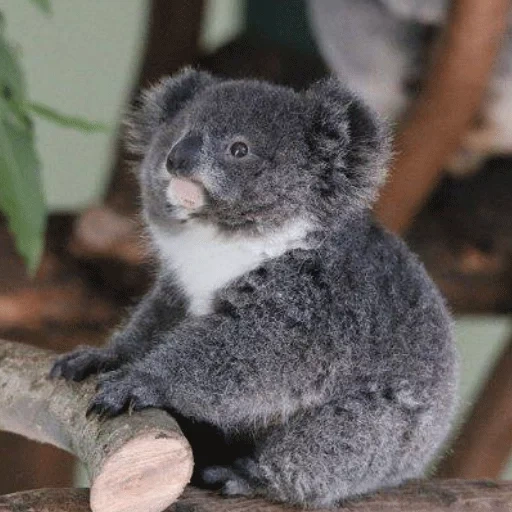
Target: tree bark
[
  {"x": 46, "y": 500},
  {"x": 426, "y": 496},
  {"x": 483, "y": 446},
  {"x": 136, "y": 462},
  {"x": 445, "y": 108}
]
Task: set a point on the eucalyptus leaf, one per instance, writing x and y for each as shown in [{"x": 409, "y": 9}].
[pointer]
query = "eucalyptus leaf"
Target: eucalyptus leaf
[
  {"x": 21, "y": 197},
  {"x": 77, "y": 123},
  {"x": 12, "y": 83},
  {"x": 21, "y": 192},
  {"x": 44, "y": 5}
]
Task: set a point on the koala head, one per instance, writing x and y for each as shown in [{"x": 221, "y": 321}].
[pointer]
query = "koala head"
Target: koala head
[{"x": 248, "y": 155}]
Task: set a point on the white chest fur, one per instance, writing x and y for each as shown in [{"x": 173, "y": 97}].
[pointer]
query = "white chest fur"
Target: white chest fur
[{"x": 205, "y": 260}]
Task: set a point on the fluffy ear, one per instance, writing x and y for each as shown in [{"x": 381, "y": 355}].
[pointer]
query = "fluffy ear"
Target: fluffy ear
[
  {"x": 160, "y": 103},
  {"x": 349, "y": 144}
]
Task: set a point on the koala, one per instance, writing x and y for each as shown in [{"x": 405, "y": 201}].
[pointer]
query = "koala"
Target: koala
[
  {"x": 302, "y": 348},
  {"x": 382, "y": 48}
]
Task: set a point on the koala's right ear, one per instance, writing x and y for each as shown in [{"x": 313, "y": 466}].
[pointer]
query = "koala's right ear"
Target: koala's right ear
[{"x": 160, "y": 103}]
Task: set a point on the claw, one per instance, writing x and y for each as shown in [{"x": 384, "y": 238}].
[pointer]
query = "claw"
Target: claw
[
  {"x": 99, "y": 407},
  {"x": 56, "y": 371},
  {"x": 122, "y": 390},
  {"x": 90, "y": 410},
  {"x": 81, "y": 363}
]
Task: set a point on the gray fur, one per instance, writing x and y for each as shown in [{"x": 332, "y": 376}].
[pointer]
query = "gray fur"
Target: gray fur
[{"x": 323, "y": 373}]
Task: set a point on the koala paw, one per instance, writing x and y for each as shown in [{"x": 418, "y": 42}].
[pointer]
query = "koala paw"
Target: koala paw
[
  {"x": 84, "y": 361},
  {"x": 232, "y": 481},
  {"x": 124, "y": 389}
]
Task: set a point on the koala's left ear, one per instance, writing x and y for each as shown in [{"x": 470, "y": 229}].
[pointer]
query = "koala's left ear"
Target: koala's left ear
[
  {"x": 349, "y": 142},
  {"x": 161, "y": 103}
]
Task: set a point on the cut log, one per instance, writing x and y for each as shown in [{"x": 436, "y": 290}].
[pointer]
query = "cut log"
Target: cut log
[{"x": 136, "y": 462}]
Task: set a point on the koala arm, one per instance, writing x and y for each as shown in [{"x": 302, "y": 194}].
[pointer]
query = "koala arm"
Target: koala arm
[
  {"x": 160, "y": 310},
  {"x": 217, "y": 368},
  {"x": 252, "y": 360}
]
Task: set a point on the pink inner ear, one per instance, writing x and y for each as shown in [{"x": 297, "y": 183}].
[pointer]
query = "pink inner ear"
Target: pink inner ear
[{"x": 187, "y": 193}]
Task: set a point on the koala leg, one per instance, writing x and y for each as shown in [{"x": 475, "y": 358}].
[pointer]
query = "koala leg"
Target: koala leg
[{"x": 320, "y": 457}]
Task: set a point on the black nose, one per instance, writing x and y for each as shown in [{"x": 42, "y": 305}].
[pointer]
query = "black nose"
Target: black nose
[{"x": 184, "y": 155}]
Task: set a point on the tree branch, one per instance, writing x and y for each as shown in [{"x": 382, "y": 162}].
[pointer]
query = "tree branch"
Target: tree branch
[
  {"x": 424, "y": 496},
  {"x": 445, "y": 108},
  {"x": 483, "y": 446},
  {"x": 136, "y": 462}
]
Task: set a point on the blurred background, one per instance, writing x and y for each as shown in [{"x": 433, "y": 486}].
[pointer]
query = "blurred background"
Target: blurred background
[{"x": 89, "y": 59}]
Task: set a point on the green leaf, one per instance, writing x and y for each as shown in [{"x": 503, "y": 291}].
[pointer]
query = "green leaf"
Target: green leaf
[
  {"x": 44, "y": 5},
  {"x": 12, "y": 83},
  {"x": 77, "y": 123},
  {"x": 21, "y": 196}
]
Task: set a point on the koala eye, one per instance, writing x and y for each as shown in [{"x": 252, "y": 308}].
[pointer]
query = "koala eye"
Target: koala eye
[{"x": 239, "y": 149}]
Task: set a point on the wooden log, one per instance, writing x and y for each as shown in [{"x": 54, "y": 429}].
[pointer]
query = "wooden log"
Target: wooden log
[
  {"x": 30, "y": 313},
  {"x": 423, "y": 496},
  {"x": 445, "y": 107},
  {"x": 483, "y": 446},
  {"x": 136, "y": 462},
  {"x": 46, "y": 500}
]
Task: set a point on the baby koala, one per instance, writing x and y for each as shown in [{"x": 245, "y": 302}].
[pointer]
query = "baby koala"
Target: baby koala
[{"x": 304, "y": 351}]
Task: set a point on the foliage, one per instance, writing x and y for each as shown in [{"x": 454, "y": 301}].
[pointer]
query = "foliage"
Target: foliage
[
  {"x": 44, "y": 5},
  {"x": 21, "y": 193}
]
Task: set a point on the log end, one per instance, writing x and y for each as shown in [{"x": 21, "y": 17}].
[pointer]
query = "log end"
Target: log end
[{"x": 147, "y": 474}]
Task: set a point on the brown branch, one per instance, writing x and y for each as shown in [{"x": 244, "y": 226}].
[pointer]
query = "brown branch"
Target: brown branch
[
  {"x": 138, "y": 462},
  {"x": 103, "y": 233},
  {"x": 445, "y": 108},
  {"x": 422, "y": 496},
  {"x": 483, "y": 446},
  {"x": 428, "y": 496},
  {"x": 70, "y": 303}
]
